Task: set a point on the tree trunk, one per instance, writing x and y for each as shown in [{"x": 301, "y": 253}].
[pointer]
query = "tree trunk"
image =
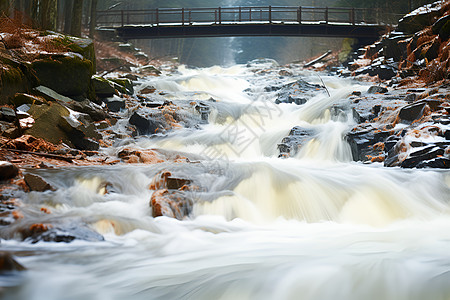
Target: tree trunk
[
  {"x": 68, "y": 7},
  {"x": 48, "y": 11},
  {"x": 77, "y": 15},
  {"x": 34, "y": 13},
  {"x": 93, "y": 22},
  {"x": 4, "y": 7}
]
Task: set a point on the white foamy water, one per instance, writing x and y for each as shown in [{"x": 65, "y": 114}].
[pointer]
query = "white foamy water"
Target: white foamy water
[{"x": 313, "y": 226}]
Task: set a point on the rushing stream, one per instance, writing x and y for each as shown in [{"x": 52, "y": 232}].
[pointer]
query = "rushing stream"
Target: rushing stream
[{"x": 312, "y": 226}]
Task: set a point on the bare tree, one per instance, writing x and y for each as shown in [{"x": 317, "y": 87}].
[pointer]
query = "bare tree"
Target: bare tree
[
  {"x": 68, "y": 7},
  {"x": 77, "y": 15},
  {"x": 4, "y": 7},
  {"x": 48, "y": 11},
  {"x": 93, "y": 21}
]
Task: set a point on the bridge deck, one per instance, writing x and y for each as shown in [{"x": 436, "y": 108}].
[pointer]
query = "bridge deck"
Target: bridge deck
[{"x": 243, "y": 21}]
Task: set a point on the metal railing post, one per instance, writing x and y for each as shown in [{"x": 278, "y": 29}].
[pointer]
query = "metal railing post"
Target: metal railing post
[
  {"x": 157, "y": 16},
  {"x": 250, "y": 14},
  {"x": 326, "y": 15},
  {"x": 220, "y": 15},
  {"x": 352, "y": 18},
  {"x": 299, "y": 15},
  {"x": 122, "y": 17},
  {"x": 270, "y": 14},
  {"x": 182, "y": 16},
  {"x": 240, "y": 14}
]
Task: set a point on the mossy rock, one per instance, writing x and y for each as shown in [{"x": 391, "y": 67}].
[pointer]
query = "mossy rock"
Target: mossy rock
[
  {"x": 68, "y": 75},
  {"x": 125, "y": 83},
  {"x": 104, "y": 88},
  {"x": 14, "y": 77},
  {"x": 85, "y": 47}
]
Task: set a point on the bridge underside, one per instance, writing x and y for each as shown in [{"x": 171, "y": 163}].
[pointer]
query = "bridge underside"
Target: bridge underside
[{"x": 366, "y": 32}]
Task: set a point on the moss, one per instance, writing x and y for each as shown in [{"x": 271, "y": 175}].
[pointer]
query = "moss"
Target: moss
[
  {"x": 126, "y": 84},
  {"x": 67, "y": 75}
]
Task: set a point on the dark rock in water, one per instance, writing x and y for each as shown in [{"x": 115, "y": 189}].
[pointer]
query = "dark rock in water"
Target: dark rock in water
[
  {"x": 204, "y": 111},
  {"x": 61, "y": 233},
  {"x": 297, "y": 137},
  {"x": 114, "y": 104},
  {"x": 411, "y": 112},
  {"x": 9, "y": 264},
  {"x": 362, "y": 143},
  {"x": 440, "y": 163},
  {"x": 297, "y": 92},
  {"x": 37, "y": 183},
  {"x": 144, "y": 125},
  {"x": 377, "y": 89},
  {"x": 418, "y": 158},
  {"x": 173, "y": 204},
  {"x": 383, "y": 71},
  {"x": 434, "y": 104},
  {"x": 8, "y": 170},
  {"x": 176, "y": 183},
  {"x": 411, "y": 97}
]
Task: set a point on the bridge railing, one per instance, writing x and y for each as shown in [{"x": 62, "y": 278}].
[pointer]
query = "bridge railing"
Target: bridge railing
[{"x": 242, "y": 14}]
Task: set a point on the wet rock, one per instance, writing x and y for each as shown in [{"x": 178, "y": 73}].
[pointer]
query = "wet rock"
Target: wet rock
[
  {"x": 60, "y": 233},
  {"x": 9, "y": 264},
  {"x": 411, "y": 112},
  {"x": 172, "y": 204},
  {"x": 114, "y": 104},
  {"x": 149, "y": 70},
  {"x": 439, "y": 163},
  {"x": 67, "y": 74},
  {"x": 377, "y": 89},
  {"x": 143, "y": 124},
  {"x": 298, "y": 136},
  {"x": 55, "y": 123},
  {"x": 204, "y": 110},
  {"x": 37, "y": 183},
  {"x": 139, "y": 156},
  {"x": 420, "y": 157},
  {"x": 8, "y": 170},
  {"x": 104, "y": 88},
  {"x": 297, "y": 92},
  {"x": 147, "y": 90},
  {"x": 410, "y": 97},
  {"x": 364, "y": 143},
  {"x": 125, "y": 85}
]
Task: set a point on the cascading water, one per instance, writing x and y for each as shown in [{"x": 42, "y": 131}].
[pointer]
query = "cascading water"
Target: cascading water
[{"x": 313, "y": 226}]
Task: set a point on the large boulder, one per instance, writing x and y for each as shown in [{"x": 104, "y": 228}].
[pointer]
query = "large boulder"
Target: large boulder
[
  {"x": 68, "y": 74},
  {"x": 14, "y": 77},
  {"x": 55, "y": 123},
  {"x": 420, "y": 18},
  {"x": 8, "y": 170}
]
